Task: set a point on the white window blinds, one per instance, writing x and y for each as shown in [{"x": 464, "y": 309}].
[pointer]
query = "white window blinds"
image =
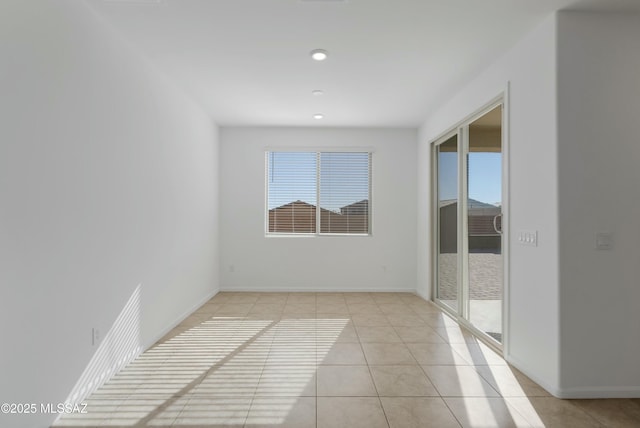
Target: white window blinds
[
  {"x": 344, "y": 192},
  {"x": 318, "y": 192},
  {"x": 292, "y": 192}
]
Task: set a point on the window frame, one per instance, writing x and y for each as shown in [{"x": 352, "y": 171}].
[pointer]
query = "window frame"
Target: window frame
[{"x": 317, "y": 152}]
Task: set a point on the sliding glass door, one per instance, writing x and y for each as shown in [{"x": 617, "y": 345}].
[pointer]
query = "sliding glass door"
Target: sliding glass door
[
  {"x": 484, "y": 223},
  {"x": 468, "y": 223},
  {"x": 447, "y": 229}
]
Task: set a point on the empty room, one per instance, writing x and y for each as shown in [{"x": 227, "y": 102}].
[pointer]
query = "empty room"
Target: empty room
[{"x": 319, "y": 213}]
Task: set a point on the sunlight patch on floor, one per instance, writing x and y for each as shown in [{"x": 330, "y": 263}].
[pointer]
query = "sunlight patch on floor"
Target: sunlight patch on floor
[{"x": 213, "y": 372}]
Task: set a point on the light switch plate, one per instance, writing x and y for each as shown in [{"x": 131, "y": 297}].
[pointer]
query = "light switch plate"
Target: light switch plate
[{"x": 528, "y": 238}]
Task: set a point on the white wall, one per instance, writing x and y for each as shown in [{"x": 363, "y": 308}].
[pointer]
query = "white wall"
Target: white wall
[
  {"x": 530, "y": 70},
  {"x": 317, "y": 263},
  {"x": 599, "y": 154},
  {"x": 108, "y": 180}
]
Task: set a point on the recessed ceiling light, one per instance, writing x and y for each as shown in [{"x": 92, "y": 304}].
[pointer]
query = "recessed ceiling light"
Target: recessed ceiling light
[
  {"x": 318, "y": 116},
  {"x": 319, "y": 54},
  {"x": 317, "y": 92}
]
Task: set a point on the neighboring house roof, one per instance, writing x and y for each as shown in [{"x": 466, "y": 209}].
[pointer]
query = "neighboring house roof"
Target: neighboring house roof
[
  {"x": 481, "y": 215},
  {"x": 356, "y": 208},
  {"x": 447, "y": 202},
  {"x": 300, "y": 217},
  {"x": 473, "y": 204},
  {"x": 299, "y": 205}
]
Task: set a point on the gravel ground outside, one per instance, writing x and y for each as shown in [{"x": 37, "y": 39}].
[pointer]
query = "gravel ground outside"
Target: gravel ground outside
[{"x": 485, "y": 276}]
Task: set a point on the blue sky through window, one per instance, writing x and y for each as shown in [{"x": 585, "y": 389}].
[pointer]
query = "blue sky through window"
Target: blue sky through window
[
  {"x": 485, "y": 176},
  {"x": 292, "y": 176},
  {"x": 344, "y": 179}
]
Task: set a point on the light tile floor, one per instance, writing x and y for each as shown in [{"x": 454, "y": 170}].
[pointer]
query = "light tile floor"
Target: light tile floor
[{"x": 331, "y": 360}]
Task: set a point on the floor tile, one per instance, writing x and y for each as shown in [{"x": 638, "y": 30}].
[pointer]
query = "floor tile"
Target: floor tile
[
  {"x": 219, "y": 298},
  {"x": 343, "y": 381},
  {"x": 294, "y": 354},
  {"x": 478, "y": 354},
  {"x": 301, "y": 298},
  {"x": 403, "y": 320},
  {"x": 419, "y": 334},
  {"x": 234, "y": 309},
  {"x": 378, "y": 335},
  {"x": 414, "y": 412},
  {"x": 340, "y": 353},
  {"x": 395, "y": 351},
  {"x": 393, "y": 308},
  {"x": 358, "y": 298},
  {"x": 299, "y": 308},
  {"x": 334, "y": 299},
  {"x": 299, "y": 316},
  {"x": 267, "y": 308},
  {"x": 282, "y": 413},
  {"x": 370, "y": 320},
  {"x": 385, "y": 298},
  {"x": 295, "y": 325},
  {"x": 459, "y": 381},
  {"x": 485, "y": 412},
  {"x": 208, "y": 309},
  {"x": 243, "y": 298},
  {"x": 214, "y": 412},
  {"x": 421, "y": 307},
  {"x": 619, "y": 413},
  {"x": 551, "y": 412},
  {"x": 455, "y": 334},
  {"x": 509, "y": 382},
  {"x": 436, "y": 354},
  {"x": 287, "y": 381},
  {"x": 350, "y": 412},
  {"x": 364, "y": 308},
  {"x": 332, "y": 308},
  {"x": 279, "y": 298},
  {"x": 387, "y": 354},
  {"x": 229, "y": 381},
  {"x": 148, "y": 409},
  {"x": 201, "y": 318},
  {"x": 402, "y": 381},
  {"x": 336, "y": 332},
  {"x": 438, "y": 319}
]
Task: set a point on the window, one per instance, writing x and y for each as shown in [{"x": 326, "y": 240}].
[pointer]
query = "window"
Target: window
[{"x": 318, "y": 192}]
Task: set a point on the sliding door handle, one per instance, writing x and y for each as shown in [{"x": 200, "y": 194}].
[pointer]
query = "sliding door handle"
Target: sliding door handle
[{"x": 495, "y": 224}]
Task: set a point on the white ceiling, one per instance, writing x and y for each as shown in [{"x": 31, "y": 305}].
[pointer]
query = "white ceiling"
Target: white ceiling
[{"x": 391, "y": 61}]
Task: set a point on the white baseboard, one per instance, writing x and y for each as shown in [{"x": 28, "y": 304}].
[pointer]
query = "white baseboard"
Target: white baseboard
[
  {"x": 551, "y": 389},
  {"x": 319, "y": 290},
  {"x": 600, "y": 392},
  {"x": 180, "y": 318},
  {"x": 579, "y": 392}
]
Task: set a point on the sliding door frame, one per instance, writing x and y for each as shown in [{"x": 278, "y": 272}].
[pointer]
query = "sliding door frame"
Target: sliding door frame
[
  {"x": 435, "y": 232},
  {"x": 462, "y": 130}
]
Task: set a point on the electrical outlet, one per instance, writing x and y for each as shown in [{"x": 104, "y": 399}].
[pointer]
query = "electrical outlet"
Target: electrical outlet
[
  {"x": 604, "y": 241},
  {"x": 95, "y": 336}
]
